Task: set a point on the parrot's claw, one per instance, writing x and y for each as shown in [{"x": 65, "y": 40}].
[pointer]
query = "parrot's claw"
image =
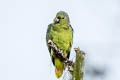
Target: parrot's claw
[{"x": 49, "y": 41}]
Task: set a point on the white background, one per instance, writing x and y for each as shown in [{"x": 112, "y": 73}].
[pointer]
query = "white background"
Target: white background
[{"x": 23, "y": 24}]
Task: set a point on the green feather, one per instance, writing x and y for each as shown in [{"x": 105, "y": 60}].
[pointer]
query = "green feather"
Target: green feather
[{"x": 61, "y": 33}]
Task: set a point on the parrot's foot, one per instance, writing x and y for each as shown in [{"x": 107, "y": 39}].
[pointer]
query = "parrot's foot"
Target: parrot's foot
[{"x": 49, "y": 41}]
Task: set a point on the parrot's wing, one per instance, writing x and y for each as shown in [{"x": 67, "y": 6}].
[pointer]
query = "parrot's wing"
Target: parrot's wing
[
  {"x": 49, "y": 37},
  {"x": 72, "y": 36},
  {"x": 71, "y": 42}
]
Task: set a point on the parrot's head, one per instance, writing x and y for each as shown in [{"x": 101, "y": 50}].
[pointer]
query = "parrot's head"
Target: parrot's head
[{"x": 61, "y": 18}]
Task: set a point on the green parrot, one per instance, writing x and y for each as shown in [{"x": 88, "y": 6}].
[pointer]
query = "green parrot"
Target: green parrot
[{"x": 61, "y": 33}]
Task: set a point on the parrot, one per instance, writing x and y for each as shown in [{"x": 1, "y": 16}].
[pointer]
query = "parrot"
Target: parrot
[{"x": 61, "y": 33}]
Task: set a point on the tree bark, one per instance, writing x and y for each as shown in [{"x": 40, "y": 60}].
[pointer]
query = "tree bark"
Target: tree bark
[{"x": 78, "y": 65}]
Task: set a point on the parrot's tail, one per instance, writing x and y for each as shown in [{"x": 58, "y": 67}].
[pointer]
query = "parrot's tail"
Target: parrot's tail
[
  {"x": 58, "y": 73},
  {"x": 59, "y": 66}
]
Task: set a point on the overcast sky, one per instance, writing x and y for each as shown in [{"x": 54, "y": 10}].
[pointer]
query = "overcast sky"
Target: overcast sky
[{"x": 23, "y": 24}]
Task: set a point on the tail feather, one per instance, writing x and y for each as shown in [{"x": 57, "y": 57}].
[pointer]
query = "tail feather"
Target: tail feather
[
  {"x": 59, "y": 66},
  {"x": 58, "y": 73}
]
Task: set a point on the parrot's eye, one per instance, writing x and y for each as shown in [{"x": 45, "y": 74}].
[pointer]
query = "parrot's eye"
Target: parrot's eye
[
  {"x": 59, "y": 17},
  {"x": 63, "y": 18}
]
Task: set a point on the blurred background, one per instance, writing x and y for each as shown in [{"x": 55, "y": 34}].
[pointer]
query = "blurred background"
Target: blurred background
[{"x": 23, "y": 24}]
